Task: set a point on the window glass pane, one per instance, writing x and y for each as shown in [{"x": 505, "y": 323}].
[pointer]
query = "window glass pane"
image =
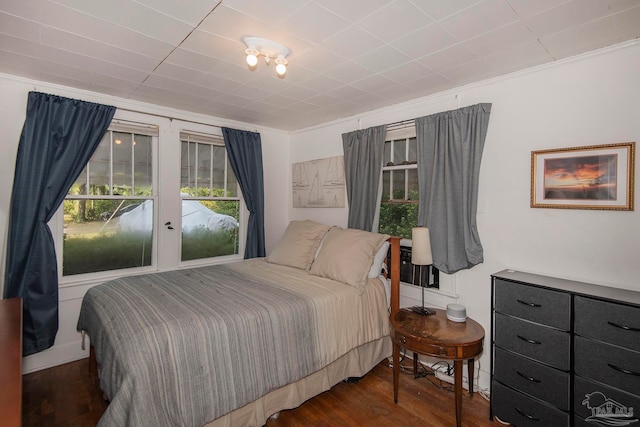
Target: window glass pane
[
  {"x": 99, "y": 168},
  {"x": 412, "y": 184},
  {"x": 185, "y": 167},
  {"x": 204, "y": 170},
  {"x": 143, "y": 175},
  {"x": 122, "y": 152},
  {"x": 79, "y": 187},
  {"x": 399, "y": 151},
  {"x": 218, "y": 170},
  {"x": 397, "y": 219},
  {"x": 102, "y": 235},
  {"x": 232, "y": 183},
  {"x": 386, "y": 179},
  {"x": 209, "y": 228},
  {"x": 387, "y": 153},
  {"x": 413, "y": 150},
  {"x": 398, "y": 184}
]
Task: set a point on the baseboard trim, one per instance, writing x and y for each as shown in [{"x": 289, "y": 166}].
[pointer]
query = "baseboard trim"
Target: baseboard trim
[{"x": 56, "y": 355}]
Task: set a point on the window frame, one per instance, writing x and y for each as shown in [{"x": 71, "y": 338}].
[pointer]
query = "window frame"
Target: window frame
[
  {"x": 57, "y": 221},
  {"x": 167, "y": 205},
  {"x": 214, "y": 140},
  {"x": 405, "y": 133}
]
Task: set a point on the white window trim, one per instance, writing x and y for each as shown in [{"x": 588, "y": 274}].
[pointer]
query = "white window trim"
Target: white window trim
[
  {"x": 57, "y": 221},
  {"x": 216, "y": 138}
]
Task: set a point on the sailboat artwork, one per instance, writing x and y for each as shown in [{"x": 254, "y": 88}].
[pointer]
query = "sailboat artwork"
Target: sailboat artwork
[
  {"x": 319, "y": 183},
  {"x": 300, "y": 179}
]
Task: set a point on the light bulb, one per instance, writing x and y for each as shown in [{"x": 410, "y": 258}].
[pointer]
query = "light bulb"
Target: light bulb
[
  {"x": 281, "y": 69},
  {"x": 252, "y": 59}
]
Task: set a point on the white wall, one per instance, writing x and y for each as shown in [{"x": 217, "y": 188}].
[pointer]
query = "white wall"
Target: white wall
[
  {"x": 14, "y": 92},
  {"x": 587, "y": 100}
]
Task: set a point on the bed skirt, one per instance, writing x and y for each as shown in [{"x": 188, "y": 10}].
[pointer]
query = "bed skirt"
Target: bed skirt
[{"x": 355, "y": 363}]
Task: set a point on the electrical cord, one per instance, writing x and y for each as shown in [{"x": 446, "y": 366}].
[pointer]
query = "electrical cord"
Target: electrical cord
[{"x": 443, "y": 367}]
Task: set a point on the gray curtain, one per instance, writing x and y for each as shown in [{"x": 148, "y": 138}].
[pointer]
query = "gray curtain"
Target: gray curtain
[
  {"x": 58, "y": 138},
  {"x": 450, "y": 148},
  {"x": 363, "y": 153},
  {"x": 244, "y": 149}
]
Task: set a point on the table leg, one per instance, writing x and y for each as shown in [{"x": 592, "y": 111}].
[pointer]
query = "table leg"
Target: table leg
[
  {"x": 470, "y": 369},
  {"x": 457, "y": 377},
  {"x": 396, "y": 371},
  {"x": 415, "y": 365}
]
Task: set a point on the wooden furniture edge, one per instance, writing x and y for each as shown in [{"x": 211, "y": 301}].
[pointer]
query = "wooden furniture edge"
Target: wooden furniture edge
[
  {"x": 11, "y": 323},
  {"x": 394, "y": 272}
]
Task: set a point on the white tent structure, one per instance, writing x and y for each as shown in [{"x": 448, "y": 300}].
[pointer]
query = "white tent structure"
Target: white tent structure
[{"x": 194, "y": 215}]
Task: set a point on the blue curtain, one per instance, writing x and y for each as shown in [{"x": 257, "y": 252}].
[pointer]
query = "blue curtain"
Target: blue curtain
[
  {"x": 363, "y": 154},
  {"x": 450, "y": 148},
  {"x": 58, "y": 138},
  {"x": 244, "y": 149}
]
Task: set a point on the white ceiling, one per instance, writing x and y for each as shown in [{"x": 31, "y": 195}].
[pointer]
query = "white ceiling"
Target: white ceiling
[{"x": 347, "y": 56}]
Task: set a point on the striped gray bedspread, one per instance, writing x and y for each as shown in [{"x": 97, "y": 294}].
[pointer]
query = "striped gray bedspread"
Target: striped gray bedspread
[{"x": 182, "y": 348}]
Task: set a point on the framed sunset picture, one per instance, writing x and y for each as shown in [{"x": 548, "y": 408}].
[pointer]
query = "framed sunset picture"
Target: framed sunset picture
[{"x": 592, "y": 177}]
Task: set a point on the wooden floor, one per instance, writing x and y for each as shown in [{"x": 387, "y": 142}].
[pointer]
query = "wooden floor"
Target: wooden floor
[{"x": 68, "y": 396}]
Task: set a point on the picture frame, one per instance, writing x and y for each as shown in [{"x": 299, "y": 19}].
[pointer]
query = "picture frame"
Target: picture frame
[{"x": 588, "y": 177}]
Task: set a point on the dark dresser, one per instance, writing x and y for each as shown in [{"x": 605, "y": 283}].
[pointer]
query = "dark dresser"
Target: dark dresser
[{"x": 563, "y": 353}]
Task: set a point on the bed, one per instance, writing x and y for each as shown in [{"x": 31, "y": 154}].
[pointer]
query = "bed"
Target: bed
[{"x": 233, "y": 344}]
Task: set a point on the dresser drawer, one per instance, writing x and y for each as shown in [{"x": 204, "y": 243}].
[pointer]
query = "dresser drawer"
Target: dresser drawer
[
  {"x": 609, "y": 322},
  {"x": 524, "y": 411},
  {"x": 592, "y": 399},
  {"x": 538, "y": 305},
  {"x": 535, "y": 379},
  {"x": 419, "y": 346},
  {"x": 549, "y": 346},
  {"x": 609, "y": 364}
]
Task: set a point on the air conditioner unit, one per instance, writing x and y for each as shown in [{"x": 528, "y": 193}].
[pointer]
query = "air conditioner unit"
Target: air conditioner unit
[{"x": 410, "y": 273}]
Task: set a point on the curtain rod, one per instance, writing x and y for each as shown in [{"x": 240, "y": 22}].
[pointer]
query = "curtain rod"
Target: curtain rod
[
  {"x": 243, "y": 128},
  {"x": 168, "y": 117},
  {"x": 401, "y": 124}
]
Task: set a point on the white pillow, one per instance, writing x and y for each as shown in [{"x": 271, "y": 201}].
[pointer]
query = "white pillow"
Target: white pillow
[{"x": 378, "y": 260}]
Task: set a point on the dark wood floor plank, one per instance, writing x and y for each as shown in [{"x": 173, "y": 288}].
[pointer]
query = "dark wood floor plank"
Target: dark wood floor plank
[{"x": 68, "y": 396}]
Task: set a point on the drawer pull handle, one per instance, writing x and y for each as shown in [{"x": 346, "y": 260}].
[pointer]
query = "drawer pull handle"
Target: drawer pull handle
[
  {"x": 529, "y": 304},
  {"x": 624, "y": 371},
  {"x": 531, "y": 417},
  {"x": 530, "y": 341},
  {"x": 625, "y": 327},
  {"x": 528, "y": 378},
  {"x": 403, "y": 339}
]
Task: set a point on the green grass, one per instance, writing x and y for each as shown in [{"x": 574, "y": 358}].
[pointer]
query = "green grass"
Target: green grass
[
  {"x": 204, "y": 243},
  {"x": 105, "y": 252},
  {"x": 115, "y": 251}
]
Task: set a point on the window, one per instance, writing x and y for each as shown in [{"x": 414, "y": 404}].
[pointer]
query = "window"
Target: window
[
  {"x": 108, "y": 211},
  {"x": 210, "y": 198},
  {"x": 399, "y": 203}
]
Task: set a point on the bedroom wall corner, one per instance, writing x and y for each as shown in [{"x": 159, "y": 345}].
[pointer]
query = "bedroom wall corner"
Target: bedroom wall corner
[
  {"x": 585, "y": 100},
  {"x": 276, "y": 160}
]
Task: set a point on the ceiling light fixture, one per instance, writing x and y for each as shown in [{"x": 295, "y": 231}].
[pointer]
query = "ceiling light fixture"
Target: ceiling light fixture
[{"x": 258, "y": 46}]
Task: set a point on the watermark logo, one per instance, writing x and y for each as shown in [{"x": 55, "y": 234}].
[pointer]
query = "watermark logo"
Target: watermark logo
[{"x": 608, "y": 412}]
